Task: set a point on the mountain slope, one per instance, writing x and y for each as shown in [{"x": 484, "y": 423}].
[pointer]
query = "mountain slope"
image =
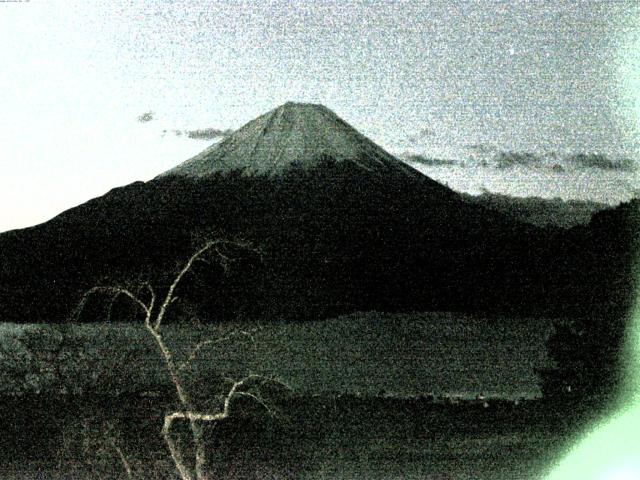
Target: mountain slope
[
  {"x": 341, "y": 227},
  {"x": 292, "y": 134}
]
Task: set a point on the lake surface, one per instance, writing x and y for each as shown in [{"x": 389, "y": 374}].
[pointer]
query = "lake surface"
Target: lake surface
[{"x": 367, "y": 353}]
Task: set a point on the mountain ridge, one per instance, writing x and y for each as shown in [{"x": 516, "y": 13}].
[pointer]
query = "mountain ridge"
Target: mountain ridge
[{"x": 342, "y": 229}]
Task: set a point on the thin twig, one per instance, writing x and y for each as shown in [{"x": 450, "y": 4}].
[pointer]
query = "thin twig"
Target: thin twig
[
  {"x": 123, "y": 458},
  {"x": 176, "y": 281},
  {"x": 153, "y": 326},
  {"x": 114, "y": 290}
]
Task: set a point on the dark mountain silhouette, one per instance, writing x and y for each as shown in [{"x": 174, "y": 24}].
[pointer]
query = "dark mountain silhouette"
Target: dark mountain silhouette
[
  {"x": 341, "y": 226},
  {"x": 538, "y": 211}
]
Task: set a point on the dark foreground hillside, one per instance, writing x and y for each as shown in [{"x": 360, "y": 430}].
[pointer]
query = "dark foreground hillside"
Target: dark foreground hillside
[
  {"x": 331, "y": 239},
  {"x": 309, "y": 437}
]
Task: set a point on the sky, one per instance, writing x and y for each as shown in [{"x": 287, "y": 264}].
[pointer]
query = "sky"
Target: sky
[{"x": 95, "y": 95}]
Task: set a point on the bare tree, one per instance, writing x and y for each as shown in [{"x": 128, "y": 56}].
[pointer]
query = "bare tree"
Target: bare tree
[{"x": 155, "y": 309}]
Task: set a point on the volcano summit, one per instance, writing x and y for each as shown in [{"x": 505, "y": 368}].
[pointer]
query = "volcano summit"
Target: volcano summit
[{"x": 292, "y": 134}]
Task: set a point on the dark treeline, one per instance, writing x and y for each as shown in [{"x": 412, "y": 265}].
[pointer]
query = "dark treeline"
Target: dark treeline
[
  {"x": 543, "y": 212},
  {"x": 331, "y": 239}
]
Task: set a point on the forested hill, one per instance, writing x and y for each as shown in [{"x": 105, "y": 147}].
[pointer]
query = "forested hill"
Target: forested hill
[{"x": 542, "y": 212}]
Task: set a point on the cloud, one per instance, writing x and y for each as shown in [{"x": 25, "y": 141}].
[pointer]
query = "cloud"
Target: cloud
[
  {"x": 146, "y": 117},
  {"x": 601, "y": 161},
  {"x": 207, "y": 133},
  {"x": 487, "y": 155},
  {"x": 508, "y": 159},
  {"x": 177, "y": 133},
  {"x": 429, "y": 161},
  {"x": 482, "y": 147},
  {"x": 200, "y": 134},
  {"x": 422, "y": 135}
]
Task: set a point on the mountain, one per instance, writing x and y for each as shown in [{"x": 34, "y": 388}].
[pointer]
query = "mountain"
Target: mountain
[
  {"x": 338, "y": 224},
  {"x": 538, "y": 211},
  {"x": 294, "y": 133}
]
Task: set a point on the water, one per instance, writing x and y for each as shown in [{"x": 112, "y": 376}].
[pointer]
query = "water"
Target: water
[{"x": 366, "y": 353}]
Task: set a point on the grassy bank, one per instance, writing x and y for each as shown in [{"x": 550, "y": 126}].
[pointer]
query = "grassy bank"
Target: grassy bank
[
  {"x": 309, "y": 437},
  {"x": 366, "y": 353}
]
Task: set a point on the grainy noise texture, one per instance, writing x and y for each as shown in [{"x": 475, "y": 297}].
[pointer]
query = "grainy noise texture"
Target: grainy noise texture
[{"x": 319, "y": 240}]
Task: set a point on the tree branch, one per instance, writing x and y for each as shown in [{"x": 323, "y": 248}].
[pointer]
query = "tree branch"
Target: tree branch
[
  {"x": 176, "y": 456},
  {"x": 114, "y": 290},
  {"x": 176, "y": 281},
  {"x": 153, "y": 324},
  {"x": 123, "y": 458},
  {"x": 258, "y": 400}
]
